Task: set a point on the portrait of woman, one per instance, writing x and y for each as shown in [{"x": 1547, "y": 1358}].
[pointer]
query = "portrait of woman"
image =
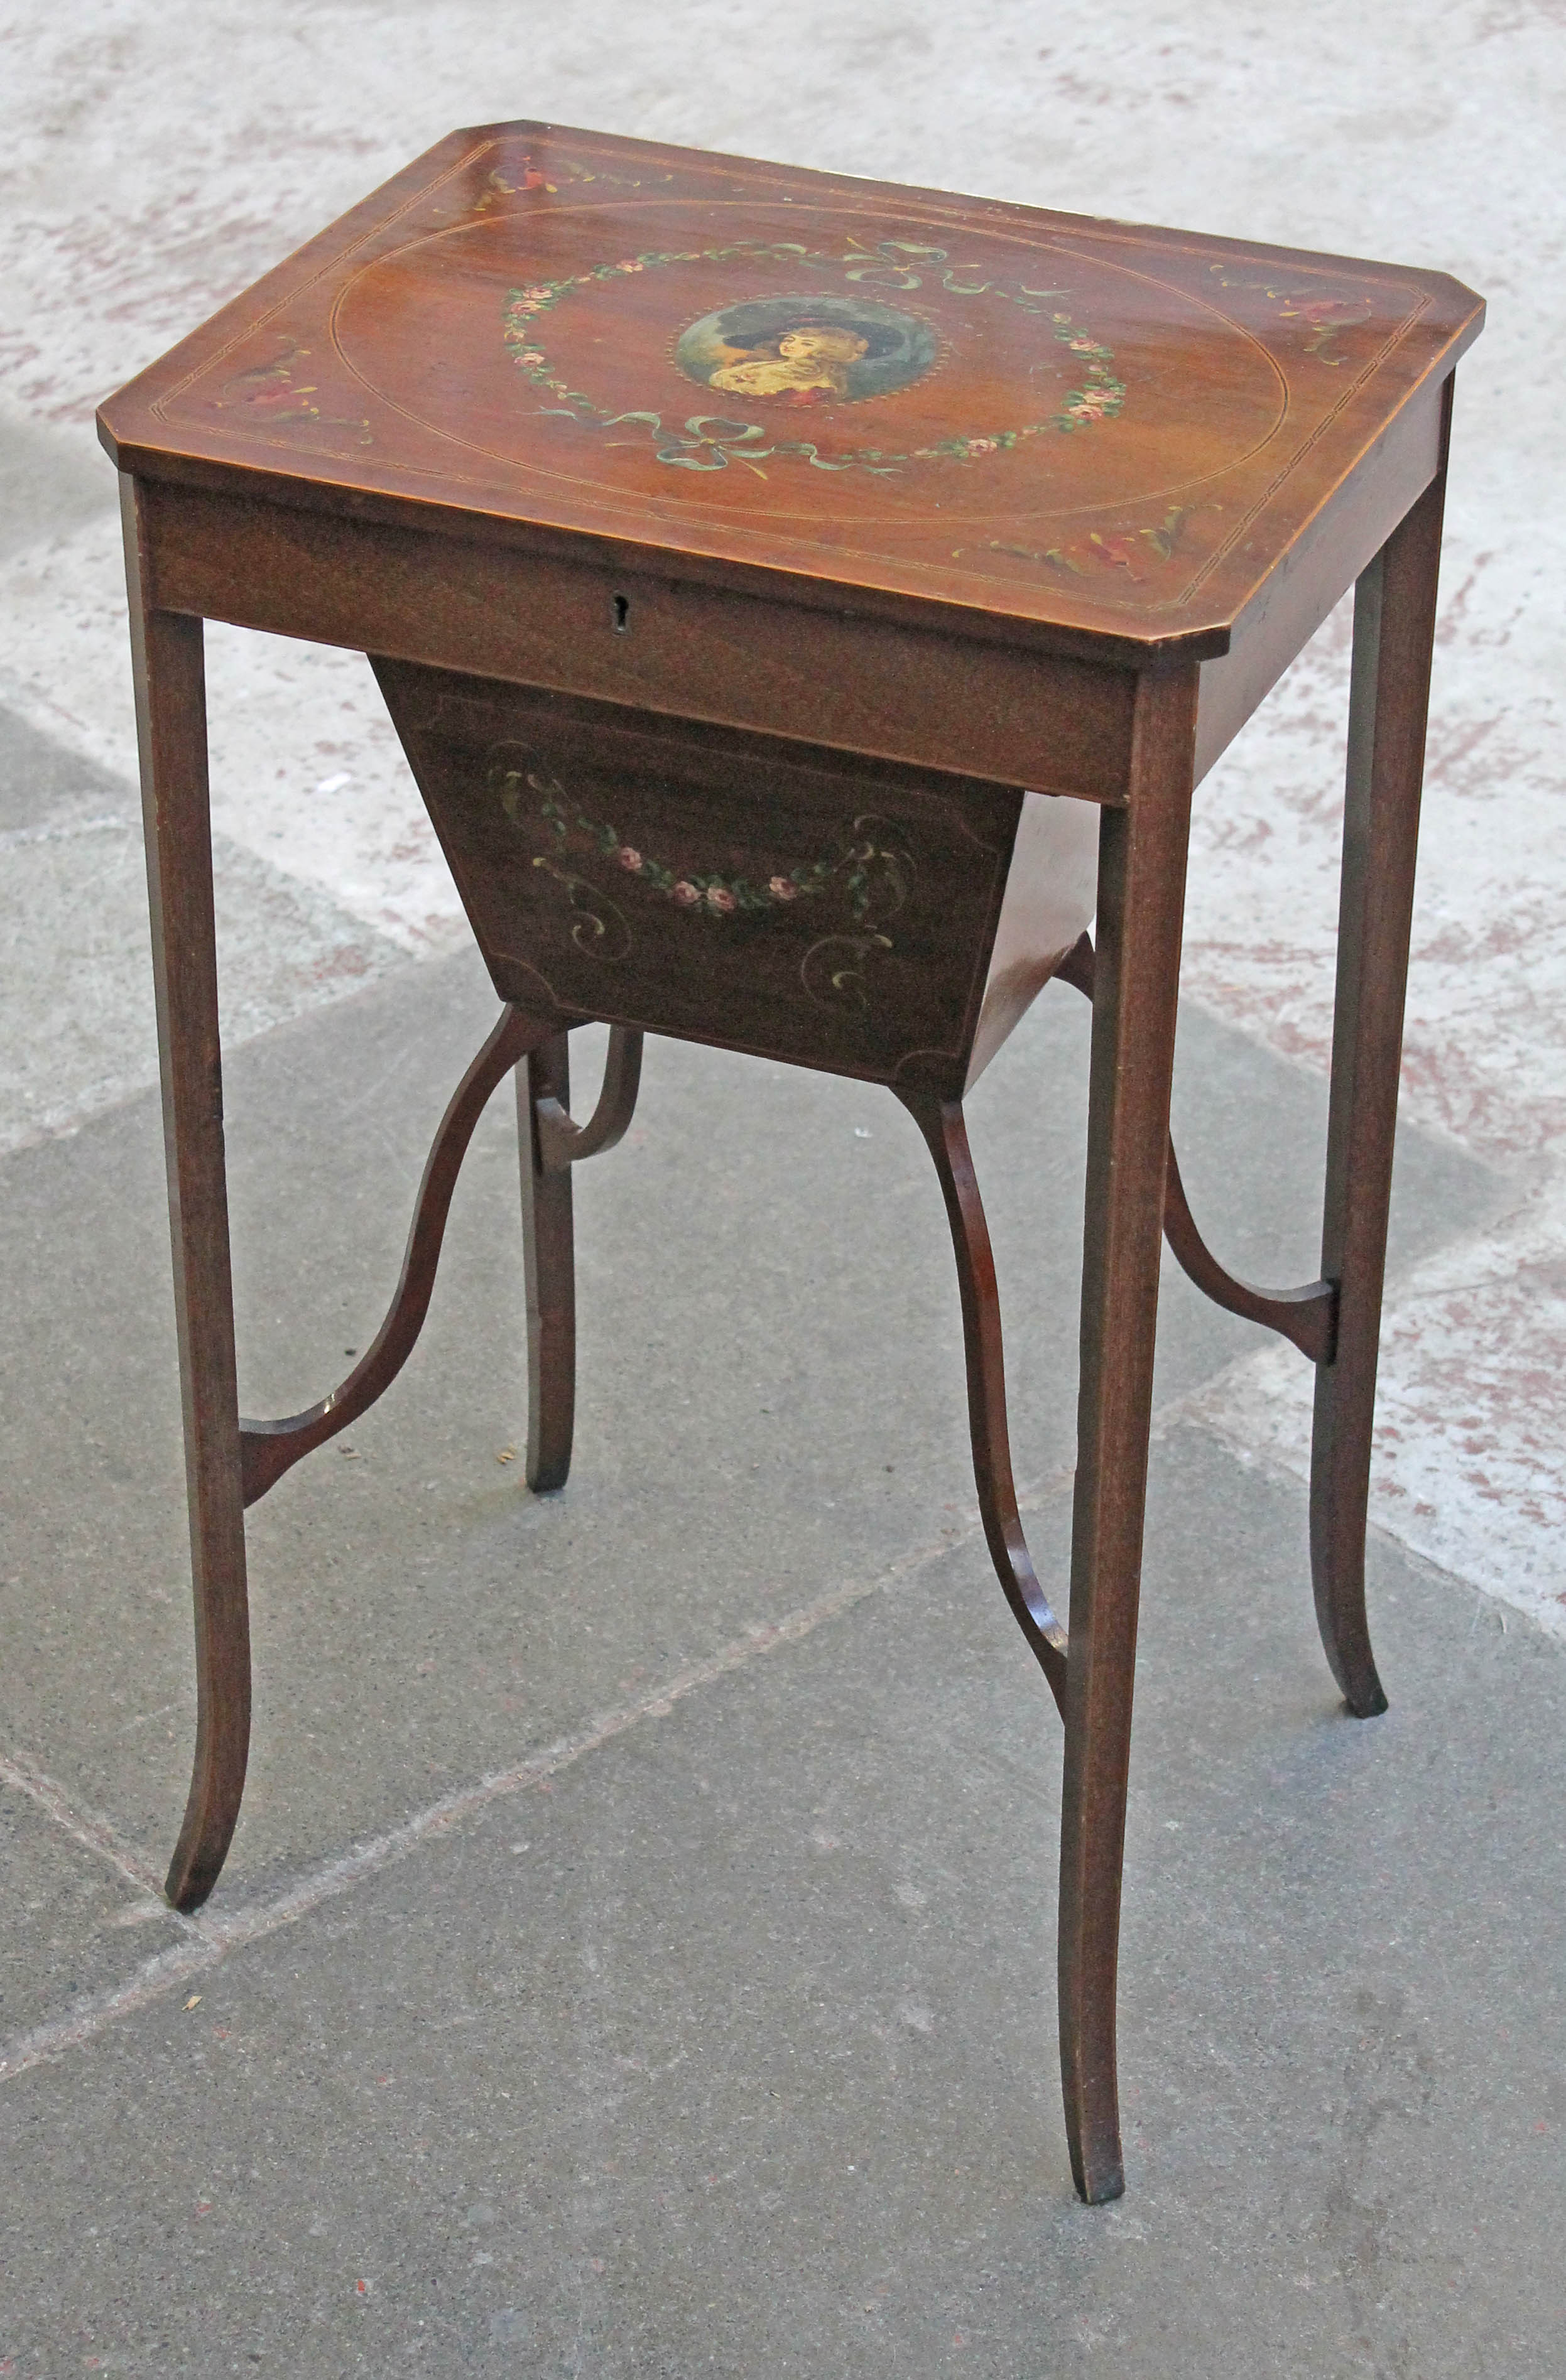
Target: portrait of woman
[
  {"x": 812, "y": 361},
  {"x": 810, "y": 350}
]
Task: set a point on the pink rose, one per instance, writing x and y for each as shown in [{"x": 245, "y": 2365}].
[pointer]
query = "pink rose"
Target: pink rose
[
  {"x": 782, "y": 888},
  {"x": 685, "y": 893},
  {"x": 530, "y": 356},
  {"x": 629, "y": 858},
  {"x": 719, "y": 898},
  {"x": 538, "y": 295},
  {"x": 1082, "y": 347},
  {"x": 630, "y": 265},
  {"x": 981, "y": 445}
]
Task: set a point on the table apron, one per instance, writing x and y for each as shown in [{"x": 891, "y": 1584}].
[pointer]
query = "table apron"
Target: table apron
[{"x": 1049, "y": 723}]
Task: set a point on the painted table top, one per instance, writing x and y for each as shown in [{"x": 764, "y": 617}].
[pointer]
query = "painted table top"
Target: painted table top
[{"x": 1049, "y": 418}]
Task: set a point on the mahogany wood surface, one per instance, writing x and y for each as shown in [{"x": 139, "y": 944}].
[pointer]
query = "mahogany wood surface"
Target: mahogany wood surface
[
  {"x": 1070, "y": 421},
  {"x": 167, "y": 650},
  {"x": 563, "y": 1142},
  {"x": 1394, "y": 633},
  {"x": 946, "y": 1133},
  {"x": 714, "y": 887},
  {"x": 551, "y": 1143},
  {"x": 268, "y": 1448},
  {"x": 543, "y": 1091},
  {"x": 1084, "y": 437},
  {"x": 860, "y": 685},
  {"x": 1141, "y": 906},
  {"x": 1307, "y": 1315},
  {"x": 764, "y": 570}
]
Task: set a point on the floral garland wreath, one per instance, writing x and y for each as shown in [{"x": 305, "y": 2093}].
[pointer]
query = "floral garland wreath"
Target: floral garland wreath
[
  {"x": 720, "y": 896},
  {"x": 709, "y": 442}
]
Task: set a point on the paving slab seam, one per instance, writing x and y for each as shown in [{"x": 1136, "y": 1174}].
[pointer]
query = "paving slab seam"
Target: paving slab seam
[
  {"x": 18, "y": 838},
  {"x": 213, "y": 1937},
  {"x": 86, "y": 1827},
  {"x": 1184, "y": 1412}
]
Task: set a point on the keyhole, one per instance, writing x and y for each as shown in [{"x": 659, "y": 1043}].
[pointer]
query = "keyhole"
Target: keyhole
[{"x": 622, "y": 614}]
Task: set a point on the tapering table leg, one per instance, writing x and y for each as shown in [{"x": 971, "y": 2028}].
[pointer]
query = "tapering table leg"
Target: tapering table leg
[
  {"x": 549, "y": 1260},
  {"x": 1141, "y": 899},
  {"x": 171, "y": 727},
  {"x": 1394, "y": 631}
]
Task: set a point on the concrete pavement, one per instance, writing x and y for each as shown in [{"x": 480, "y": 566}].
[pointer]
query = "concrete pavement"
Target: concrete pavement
[{"x": 636, "y": 1953}]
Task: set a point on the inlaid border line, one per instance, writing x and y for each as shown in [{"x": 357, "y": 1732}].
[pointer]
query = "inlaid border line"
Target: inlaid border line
[{"x": 158, "y": 408}]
